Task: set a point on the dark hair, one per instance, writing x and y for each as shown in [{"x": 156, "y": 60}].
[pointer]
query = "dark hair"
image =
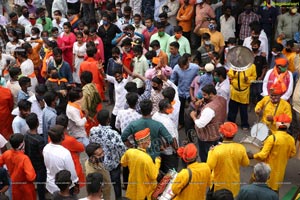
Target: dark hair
[
  {"x": 209, "y": 89},
  {"x": 16, "y": 139},
  {"x": 49, "y": 97},
  {"x": 51, "y": 43},
  {"x": 117, "y": 71},
  {"x": 24, "y": 105},
  {"x": 149, "y": 17},
  {"x": 183, "y": 60},
  {"x": 231, "y": 40},
  {"x": 146, "y": 107},
  {"x": 62, "y": 120},
  {"x": 13, "y": 32},
  {"x": 90, "y": 44},
  {"x": 32, "y": 121},
  {"x": 54, "y": 29},
  {"x": 155, "y": 43},
  {"x": 222, "y": 194},
  {"x": 74, "y": 94},
  {"x": 68, "y": 24},
  {"x": 221, "y": 71},
  {"x": 126, "y": 42},
  {"x": 57, "y": 51},
  {"x": 20, "y": 51},
  {"x": 130, "y": 27},
  {"x": 178, "y": 29},
  {"x": 86, "y": 76},
  {"x": 58, "y": 12},
  {"x": 94, "y": 182},
  {"x": 290, "y": 43},
  {"x": 163, "y": 15},
  {"x": 205, "y": 36},
  {"x": 63, "y": 179},
  {"x": 103, "y": 116},
  {"x": 256, "y": 42},
  {"x": 137, "y": 15},
  {"x": 150, "y": 54},
  {"x": 93, "y": 30},
  {"x": 160, "y": 25},
  {"x": 39, "y": 10},
  {"x": 80, "y": 34},
  {"x": 91, "y": 51},
  {"x": 175, "y": 44},
  {"x": 169, "y": 93},
  {"x": 91, "y": 148},
  {"x": 131, "y": 87},
  {"x": 56, "y": 133},
  {"x": 36, "y": 30},
  {"x": 132, "y": 99},
  {"x": 105, "y": 14},
  {"x": 27, "y": 46},
  {"x": 115, "y": 50},
  {"x": 40, "y": 89},
  {"x": 12, "y": 14},
  {"x": 216, "y": 55},
  {"x": 163, "y": 104},
  {"x": 127, "y": 9},
  {"x": 278, "y": 46},
  {"x": 24, "y": 80},
  {"x": 14, "y": 71},
  {"x": 138, "y": 49},
  {"x": 157, "y": 80}
]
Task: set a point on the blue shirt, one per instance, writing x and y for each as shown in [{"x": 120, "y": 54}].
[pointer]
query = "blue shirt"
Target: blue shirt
[
  {"x": 64, "y": 71},
  {"x": 49, "y": 119},
  {"x": 174, "y": 60},
  {"x": 184, "y": 78},
  {"x": 112, "y": 66},
  {"x": 204, "y": 80}
]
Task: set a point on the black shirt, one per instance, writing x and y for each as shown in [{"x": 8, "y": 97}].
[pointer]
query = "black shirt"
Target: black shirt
[
  {"x": 3, "y": 178},
  {"x": 260, "y": 63},
  {"x": 108, "y": 35},
  {"x": 34, "y": 145}
]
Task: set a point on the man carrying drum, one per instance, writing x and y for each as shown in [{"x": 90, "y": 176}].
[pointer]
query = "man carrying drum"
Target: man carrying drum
[
  {"x": 271, "y": 106},
  {"x": 277, "y": 150}
]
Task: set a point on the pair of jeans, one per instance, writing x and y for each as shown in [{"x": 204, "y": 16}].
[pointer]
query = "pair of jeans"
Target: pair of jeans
[
  {"x": 204, "y": 148},
  {"x": 233, "y": 110},
  {"x": 115, "y": 176},
  {"x": 182, "y": 100},
  {"x": 41, "y": 178},
  {"x": 111, "y": 90},
  {"x": 88, "y": 12}
]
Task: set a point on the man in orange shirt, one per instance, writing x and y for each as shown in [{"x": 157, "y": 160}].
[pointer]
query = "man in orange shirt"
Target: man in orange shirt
[
  {"x": 184, "y": 18},
  {"x": 73, "y": 146},
  {"x": 6, "y": 106},
  {"x": 92, "y": 65},
  {"x": 20, "y": 169}
]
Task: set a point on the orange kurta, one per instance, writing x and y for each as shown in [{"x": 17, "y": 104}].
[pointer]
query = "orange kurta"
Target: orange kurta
[
  {"x": 6, "y": 106},
  {"x": 45, "y": 63},
  {"x": 75, "y": 149},
  {"x": 91, "y": 65},
  {"x": 21, "y": 173}
]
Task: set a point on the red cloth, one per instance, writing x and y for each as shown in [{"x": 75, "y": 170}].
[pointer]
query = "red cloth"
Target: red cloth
[
  {"x": 142, "y": 134},
  {"x": 65, "y": 42},
  {"x": 276, "y": 89},
  {"x": 100, "y": 48},
  {"x": 6, "y": 106},
  {"x": 91, "y": 65},
  {"x": 228, "y": 129},
  {"x": 284, "y": 118},
  {"x": 75, "y": 149},
  {"x": 21, "y": 173},
  {"x": 272, "y": 77},
  {"x": 147, "y": 35},
  {"x": 281, "y": 61},
  {"x": 188, "y": 153}
]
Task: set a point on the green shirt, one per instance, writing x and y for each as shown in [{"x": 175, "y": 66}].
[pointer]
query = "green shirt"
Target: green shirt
[
  {"x": 157, "y": 132},
  {"x": 163, "y": 41},
  {"x": 47, "y": 26},
  {"x": 184, "y": 45}
]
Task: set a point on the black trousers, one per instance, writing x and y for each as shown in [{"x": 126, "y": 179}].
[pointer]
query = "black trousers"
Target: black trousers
[
  {"x": 183, "y": 100},
  {"x": 204, "y": 148},
  {"x": 233, "y": 110},
  {"x": 168, "y": 162},
  {"x": 74, "y": 6}
]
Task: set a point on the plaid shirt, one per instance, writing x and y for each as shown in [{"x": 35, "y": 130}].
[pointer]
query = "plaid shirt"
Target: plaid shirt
[{"x": 244, "y": 20}]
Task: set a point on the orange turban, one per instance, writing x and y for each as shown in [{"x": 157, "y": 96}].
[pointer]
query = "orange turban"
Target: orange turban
[
  {"x": 284, "y": 118},
  {"x": 228, "y": 129},
  {"x": 142, "y": 134},
  {"x": 276, "y": 89},
  {"x": 155, "y": 60},
  {"x": 281, "y": 61},
  {"x": 188, "y": 153}
]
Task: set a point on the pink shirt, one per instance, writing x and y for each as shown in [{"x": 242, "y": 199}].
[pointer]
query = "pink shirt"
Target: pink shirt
[
  {"x": 205, "y": 12},
  {"x": 151, "y": 73}
]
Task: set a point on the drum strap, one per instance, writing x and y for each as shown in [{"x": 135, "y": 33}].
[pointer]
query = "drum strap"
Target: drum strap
[{"x": 190, "y": 178}]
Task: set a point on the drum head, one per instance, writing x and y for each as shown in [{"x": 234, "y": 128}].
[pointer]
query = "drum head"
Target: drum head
[
  {"x": 259, "y": 131},
  {"x": 239, "y": 58}
]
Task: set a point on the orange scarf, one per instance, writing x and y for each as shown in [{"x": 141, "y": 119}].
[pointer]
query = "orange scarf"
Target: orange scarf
[
  {"x": 75, "y": 105},
  {"x": 280, "y": 78},
  {"x": 74, "y": 20},
  {"x": 58, "y": 81}
]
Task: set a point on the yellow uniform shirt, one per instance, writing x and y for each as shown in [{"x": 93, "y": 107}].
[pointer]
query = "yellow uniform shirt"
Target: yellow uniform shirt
[
  {"x": 269, "y": 108},
  {"x": 225, "y": 160},
  {"x": 216, "y": 38},
  {"x": 276, "y": 154},
  {"x": 239, "y": 88},
  {"x": 291, "y": 56},
  {"x": 142, "y": 173},
  {"x": 196, "y": 190}
]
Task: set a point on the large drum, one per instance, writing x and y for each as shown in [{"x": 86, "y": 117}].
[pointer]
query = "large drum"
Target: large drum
[
  {"x": 252, "y": 145},
  {"x": 259, "y": 131}
]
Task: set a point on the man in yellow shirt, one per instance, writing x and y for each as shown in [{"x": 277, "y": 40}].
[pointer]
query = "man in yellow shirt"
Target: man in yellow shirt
[
  {"x": 272, "y": 105},
  {"x": 191, "y": 183},
  {"x": 290, "y": 55},
  {"x": 277, "y": 150},
  {"x": 227, "y": 157},
  {"x": 240, "y": 93},
  {"x": 142, "y": 170}
]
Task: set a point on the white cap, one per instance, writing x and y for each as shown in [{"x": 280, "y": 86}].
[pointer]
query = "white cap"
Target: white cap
[
  {"x": 199, "y": 1},
  {"x": 209, "y": 67}
]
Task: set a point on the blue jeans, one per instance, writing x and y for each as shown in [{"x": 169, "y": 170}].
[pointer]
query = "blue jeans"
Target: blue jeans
[
  {"x": 115, "y": 176},
  {"x": 84, "y": 140}
]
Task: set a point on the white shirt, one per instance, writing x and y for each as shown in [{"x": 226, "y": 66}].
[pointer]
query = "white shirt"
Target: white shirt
[
  {"x": 289, "y": 91},
  {"x": 169, "y": 125},
  {"x": 59, "y": 26},
  {"x": 10, "y": 48},
  {"x": 19, "y": 125},
  {"x": 27, "y": 69},
  {"x": 207, "y": 114},
  {"x": 120, "y": 93},
  {"x": 263, "y": 46},
  {"x": 29, "y": 27},
  {"x": 139, "y": 29},
  {"x": 223, "y": 90},
  {"x": 76, "y": 123},
  {"x": 174, "y": 116},
  {"x": 57, "y": 158},
  {"x": 227, "y": 27},
  {"x": 124, "y": 118},
  {"x": 36, "y": 108},
  {"x": 23, "y": 21},
  {"x": 3, "y": 142},
  {"x": 3, "y": 62},
  {"x": 14, "y": 88}
]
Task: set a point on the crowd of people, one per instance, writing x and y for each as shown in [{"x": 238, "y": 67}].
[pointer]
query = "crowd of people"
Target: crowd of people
[{"x": 163, "y": 67}]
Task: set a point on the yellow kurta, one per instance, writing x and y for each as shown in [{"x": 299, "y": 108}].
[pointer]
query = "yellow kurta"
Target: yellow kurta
[
  {"x": 142, "y": 173},
  {"x": 291, "y": 56},
  {"x": 239, "y": 88},
  {"x": 269, "y": 108},
  {"x": 196, "y": 190},
  {"x": 225, "y": 161},
  {"x": 277, "y": 155}
]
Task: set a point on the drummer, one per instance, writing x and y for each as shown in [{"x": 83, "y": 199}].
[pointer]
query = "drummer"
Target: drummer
[
  {"x": 277, "y": 150},
  {"x": 227, "y": 157},
  {"x": 271, "y": 106}
]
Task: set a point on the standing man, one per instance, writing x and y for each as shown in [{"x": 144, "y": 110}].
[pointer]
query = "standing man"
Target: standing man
[
  {"x": 182, "y": 40},
  {"x": 186, "y": 182},
  {"x": 49, "y": 113},
  {"x": 277, "y": 150},
  {"x": 149, "y": 31},
  {"x": 212, "y": 115},
  {"x": 222, "y": 84},
  {"x": 227, "y": 156},
  {"x": 143, "y": 171},
  {"x": 203, "y": 12},
  {"x": 113, "y": 148}
]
